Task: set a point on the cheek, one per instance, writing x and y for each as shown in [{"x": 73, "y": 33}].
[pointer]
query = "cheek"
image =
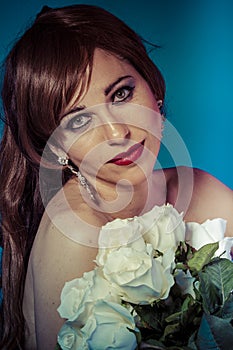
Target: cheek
[
  {"x": 149, "y": 98},
  {"x": 155, "y": 127},
  {"x": 79, "y": 148},
  {"x": 87, "y": 150}
]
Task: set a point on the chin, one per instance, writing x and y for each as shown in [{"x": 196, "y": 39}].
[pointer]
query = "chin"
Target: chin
[{"x": 133, "y": 175}]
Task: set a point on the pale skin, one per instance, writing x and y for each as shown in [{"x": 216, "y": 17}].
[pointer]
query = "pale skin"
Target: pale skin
[{"x": 55, "y": 258}]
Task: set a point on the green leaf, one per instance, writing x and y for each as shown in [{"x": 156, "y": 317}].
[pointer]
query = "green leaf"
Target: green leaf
[
  {"x": 171, "y": 329},
  {"x": 187, "y": 302},
  {"x": 202, "y": 257},
  {"x": 181, "y": 266},
  {"x": 216, "y": 284},
  {"x": 174, "y": 317},
  {"x": 227, "y": 310},
  {"x": 214, "y": 333},
  {"x": 180, "y": 315},
  {"x": 150, "y": 316}
]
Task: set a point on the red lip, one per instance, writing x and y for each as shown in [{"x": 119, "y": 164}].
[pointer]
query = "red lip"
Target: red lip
[{"x": 130, "y": 156}]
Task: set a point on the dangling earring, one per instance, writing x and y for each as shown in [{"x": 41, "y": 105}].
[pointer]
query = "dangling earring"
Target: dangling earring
[
  {"x": 83, "y": 182},
  {"x": 64, "y": 161}
]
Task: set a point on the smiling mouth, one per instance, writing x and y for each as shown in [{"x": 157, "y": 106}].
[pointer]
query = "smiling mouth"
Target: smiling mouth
[{"x": 129, "y": 157}]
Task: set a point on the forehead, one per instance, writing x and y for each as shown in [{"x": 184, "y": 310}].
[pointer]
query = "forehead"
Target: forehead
[
  {"x": 106, "y": 60},
  {"x": 107, "y": 67}
]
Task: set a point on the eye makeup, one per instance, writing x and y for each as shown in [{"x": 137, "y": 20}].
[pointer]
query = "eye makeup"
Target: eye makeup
[
  {"x": 119, "y": 92},
  {"x": 79, "y": 121},
  {"x": 123, "y": 94}
]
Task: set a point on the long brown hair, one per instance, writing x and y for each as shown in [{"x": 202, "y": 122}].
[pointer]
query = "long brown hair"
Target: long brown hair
[{"x": 42, "y": 73}]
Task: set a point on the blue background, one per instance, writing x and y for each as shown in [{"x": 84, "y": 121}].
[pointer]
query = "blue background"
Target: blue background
[{"x": 196, "y": 59}]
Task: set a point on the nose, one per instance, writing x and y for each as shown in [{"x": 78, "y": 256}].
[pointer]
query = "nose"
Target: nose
[{"x": 116, "y": 131}]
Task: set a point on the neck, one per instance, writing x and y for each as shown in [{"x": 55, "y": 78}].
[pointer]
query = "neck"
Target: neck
[{"x": 125, "y": 201}]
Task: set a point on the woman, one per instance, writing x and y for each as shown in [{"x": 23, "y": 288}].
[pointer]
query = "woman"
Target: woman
[{"x": 82, "y": 103}]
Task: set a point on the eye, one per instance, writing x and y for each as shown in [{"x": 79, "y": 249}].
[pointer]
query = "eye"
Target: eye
[
  {"x": 122, "y": 94},
  {"x": 78, "y": 122}
]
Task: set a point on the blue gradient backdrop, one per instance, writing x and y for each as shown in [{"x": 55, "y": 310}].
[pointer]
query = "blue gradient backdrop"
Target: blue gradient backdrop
[{"x": 196, "y": 59}]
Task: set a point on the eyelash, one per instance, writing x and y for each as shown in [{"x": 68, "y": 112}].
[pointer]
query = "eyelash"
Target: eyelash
[
  {"x": 85, "y": 118},
  {"x": 129, "y": 94}
]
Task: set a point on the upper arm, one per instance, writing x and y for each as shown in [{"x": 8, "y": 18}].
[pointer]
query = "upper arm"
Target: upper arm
[
  {"x": 210, "y": 199},
  {"x": 55, "y": 260}
]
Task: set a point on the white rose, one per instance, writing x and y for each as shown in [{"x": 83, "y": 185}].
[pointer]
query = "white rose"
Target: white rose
[
  {"x": 120, "y": 232},
  {"x": 210, "y": 231},
  {"x": 108, "y": 327},
  {"x": 163, "y": 227},
  {"x": 140, "y": 277},
  {"x": 69, "y": 338},
  {"x": 78, "y": 295},
  {"x": 225, "y": 245}
]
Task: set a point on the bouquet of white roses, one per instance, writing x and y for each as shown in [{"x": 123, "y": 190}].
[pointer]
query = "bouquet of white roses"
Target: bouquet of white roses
[{"x": 158, "y": 283}]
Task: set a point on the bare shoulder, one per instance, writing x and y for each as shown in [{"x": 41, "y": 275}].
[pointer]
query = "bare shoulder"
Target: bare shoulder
[
  {"x": 64, "y": 249},
  {"x": 61, "y": 242},
  {"x": 200, "y": 195},
  {"x": 211, "y": 199},
  {"x": 56, "y": 258}
]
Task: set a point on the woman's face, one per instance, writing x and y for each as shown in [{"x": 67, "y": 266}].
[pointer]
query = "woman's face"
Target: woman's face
[{"x": 114, "y": 131}]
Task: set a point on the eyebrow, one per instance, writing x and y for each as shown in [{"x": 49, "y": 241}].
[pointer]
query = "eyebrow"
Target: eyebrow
[
  {"x": 74, "y": 110},
  {"x": 111, "y": 86}
]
